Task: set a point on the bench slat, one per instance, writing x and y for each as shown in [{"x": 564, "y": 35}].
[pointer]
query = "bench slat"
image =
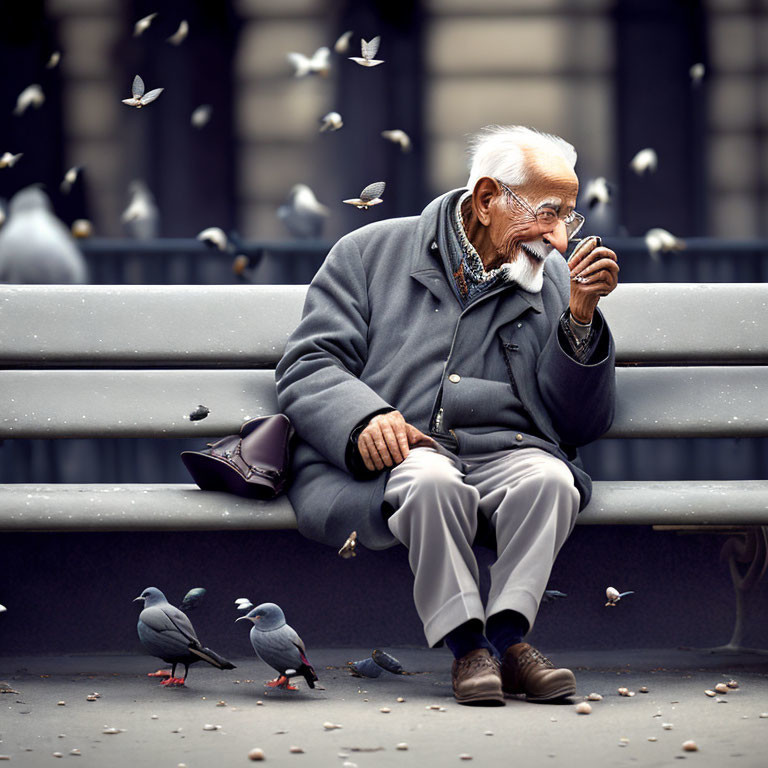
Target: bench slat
[
  {"x": 248, "y": 325},
  {"x": 668, "y": 401},
  {"x": 185, "y": 507}
]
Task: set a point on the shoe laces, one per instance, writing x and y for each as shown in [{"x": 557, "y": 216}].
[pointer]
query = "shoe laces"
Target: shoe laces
[
  {"x": 532, "y": 656},
  {"x": 479, "y": 661}
]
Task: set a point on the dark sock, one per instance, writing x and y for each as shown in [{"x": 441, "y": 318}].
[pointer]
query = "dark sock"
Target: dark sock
[
  {"x": 467, "y": 637},
  {"x": 506, "y": 628}
]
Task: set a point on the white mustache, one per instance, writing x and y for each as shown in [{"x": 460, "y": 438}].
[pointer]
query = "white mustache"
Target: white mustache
[{"x": 536, "y": 248}]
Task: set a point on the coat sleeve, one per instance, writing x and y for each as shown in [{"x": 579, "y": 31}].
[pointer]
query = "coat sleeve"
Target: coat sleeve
[
  {"x": 579, "y": 397},
  {"x": 318, "y": 377}
]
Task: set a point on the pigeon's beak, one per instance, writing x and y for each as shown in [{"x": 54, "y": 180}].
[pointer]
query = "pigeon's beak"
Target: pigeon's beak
[
  {"x": 137, "y": 598},
  {"x": 241, "y": 618}
]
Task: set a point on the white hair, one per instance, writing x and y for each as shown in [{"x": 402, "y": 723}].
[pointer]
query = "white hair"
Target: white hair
[{"x": 498, "y": 151}]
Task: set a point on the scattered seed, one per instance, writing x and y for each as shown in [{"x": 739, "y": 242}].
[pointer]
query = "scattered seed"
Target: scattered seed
[
  {"x": 385, "y": 710},
  {"x": 583, "y": 708},
  {"x": 62, "y": 735},
  {"x": 154, "y": 717},
  {"x": 348, "y": 764},
  {"x": 61, "y": 703},
  {"x": 721, "y": 701},
  {"x": 667, "y": 726},
  {"x": 465, "y": 756},
  {"x": 402, "y": 746},
  {"x": 643, "y": 689},
  {"x": 721, "y": 688},
  {"x": 690, "y": 746},
  {"x": 488, "y": 733},
  {"x": 211, "y": 727},
  {"x": 256, "y": 754},
  {"x": 623, "y": 692},
  {"x": 433, "y": 706},
  {"x": 296, "y": 750},
  {"x": 222, "y": 703},
  {"x": 331, "y": 726},
  {"x": 177, "y": 730},
  {"x": 624, "y": 740},
  {"x": 5, "y": 757},
  {"x": 75, "y": 752},
  {"x": 442, "y": 709},
  {"x": 594, "y": 697},
  {"x": 710, "y": 693},
  {"x": 58, "y": 754},
  {"x": 552, "y": 719},
  {"x": 112, "y": 731},
  {"x": 259, "y": 703},
  {"x": 91, "y": 698},
  {"x": 732, "y": 684},
  {"x": 400, "y": 699},
  {"x": 764, "y": 714},
  {"x": 652, "y": 738}
]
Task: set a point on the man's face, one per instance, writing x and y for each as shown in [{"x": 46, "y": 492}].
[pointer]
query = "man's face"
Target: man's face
[{"x": 530, "y": 225}]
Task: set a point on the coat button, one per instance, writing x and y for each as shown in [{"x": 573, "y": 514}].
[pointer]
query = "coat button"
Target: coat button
[
  {"x": 519, "y": 325},
  {"x": 454, "y": 378},
  {"x": 518, "y": 437}
]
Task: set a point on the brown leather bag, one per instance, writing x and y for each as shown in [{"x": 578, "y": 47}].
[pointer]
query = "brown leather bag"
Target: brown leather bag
[{"x": 254, "y": 463}]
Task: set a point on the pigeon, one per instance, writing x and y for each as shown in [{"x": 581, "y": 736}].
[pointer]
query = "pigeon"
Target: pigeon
[
  {"x": 659, "y": 240},
  {"x": 597, "y": 192},
  {"x": 372, "y": 666},
  {"x": 178, "y": 37},
  {"x": 277, "y": 644},
  {"x": 215, "y": 237},
  {"x": 54, "y": 60},
  {"x": 614, "y": 596},
  {"x": 69, "y": 179},
  {"x": 243, "y": 604},
  {"x": 550, "y": 595},
  {"x": 348, "y": 550},
  {"x": 31, "y": 96},
  {"x": 331, "y": 122},
  {"x": 8, "y": 160},
  {"x": 141, "y": 218},
  {"x": 397, "y": 136},
  {"x": 140, "y": 99},
  {"x": 369, "y": 49},
  {"x": 166, "y": 632},
  {"x": 318, "y": 64},
  {"x": 342, "y": 44},
  {"x": 644, "y": 160},
  {"x": 303, "y": 215},
  {"x": 371, "y": 195},
  {"x": 192, "y": 599},
  {"x": 697, "y": 73},
  {"x": 143, "y": 24},
  {"x": 35, "y": 246},
  {"x": 201, "y": 116}
]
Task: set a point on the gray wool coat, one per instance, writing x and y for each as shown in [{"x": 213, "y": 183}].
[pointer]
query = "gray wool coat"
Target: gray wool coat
[{"x": 382, "y": 327}]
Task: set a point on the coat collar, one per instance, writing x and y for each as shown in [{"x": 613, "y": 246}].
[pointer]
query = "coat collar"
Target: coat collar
[{"x": 427, "y": 265}]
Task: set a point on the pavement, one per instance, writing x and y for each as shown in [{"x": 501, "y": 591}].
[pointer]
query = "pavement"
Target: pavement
[{"x": 393, "y": 720}]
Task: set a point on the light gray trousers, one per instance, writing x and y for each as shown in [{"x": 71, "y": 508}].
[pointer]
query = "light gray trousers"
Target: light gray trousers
[{"x": 531, "y": 502}]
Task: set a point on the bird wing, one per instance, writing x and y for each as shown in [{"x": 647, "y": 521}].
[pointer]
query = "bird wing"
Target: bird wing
[
  {"x": 151, "y": 96},
  {"x": 370, "y": 47},
  {"x": 166, "y": 618},
  {"x": 624, "y": 594},
  {"x": 277, "y": 648},
  {"x": 372, "y": 191},
  {"x": 137, "y": 88}
]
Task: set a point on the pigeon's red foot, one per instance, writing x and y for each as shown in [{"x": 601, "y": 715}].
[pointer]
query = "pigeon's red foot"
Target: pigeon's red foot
[
  {"x": 282, "y": 682},
  {"x": 160, "y": 673},
  {"x": 173, "y": 682}
]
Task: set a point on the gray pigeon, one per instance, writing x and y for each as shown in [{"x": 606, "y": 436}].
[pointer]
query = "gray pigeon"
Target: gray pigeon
[
  {"x": 168, "y": 633},
  {"x": 277, "y": 644},
  {"x": 303, "y": 215},
  {"x": 35, "y": 246}
]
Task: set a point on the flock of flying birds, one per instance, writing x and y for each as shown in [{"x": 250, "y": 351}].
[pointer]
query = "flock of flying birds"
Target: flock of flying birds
[{"x": 302, "y": 213}]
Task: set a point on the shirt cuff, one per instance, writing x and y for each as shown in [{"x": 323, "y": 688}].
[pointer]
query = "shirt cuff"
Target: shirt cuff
[{"x": 580, "y": 337}]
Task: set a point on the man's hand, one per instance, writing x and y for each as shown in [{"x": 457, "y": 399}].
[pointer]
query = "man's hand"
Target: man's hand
[
  {"x": 594, "y": 273},
  {"x": 387, "y": 440}
]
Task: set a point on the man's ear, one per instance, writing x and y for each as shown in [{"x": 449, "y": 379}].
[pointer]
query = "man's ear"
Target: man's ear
[{"x": 486, "y": 189}]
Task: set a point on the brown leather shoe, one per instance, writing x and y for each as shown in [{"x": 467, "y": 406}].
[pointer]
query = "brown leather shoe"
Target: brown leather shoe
[
  {"x": 526, "y": 670},
  {"x": 477, "y": 679}
]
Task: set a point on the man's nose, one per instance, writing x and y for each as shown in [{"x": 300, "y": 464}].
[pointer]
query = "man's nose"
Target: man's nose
[{"x": 558, "y": 237}]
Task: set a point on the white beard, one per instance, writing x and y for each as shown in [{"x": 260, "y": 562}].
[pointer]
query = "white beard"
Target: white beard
[{"x": 526, "y": 272}]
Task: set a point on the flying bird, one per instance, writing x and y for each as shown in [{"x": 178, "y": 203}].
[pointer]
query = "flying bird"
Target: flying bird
[
  {"x": 167, "y": 632},
  {"x": 644, "y": 160},
  {"x": 35, "y": 246},
  {"x": 302, "y": 213},
  {"x": 199, "y": 413},
  {"x": 277, "y": 644},
  {"x": 342, "y": 44},
  {"x": 697, "y": 72},
  {"x": 214, "y": 237},
  {"x": 614, "y": 596},
  {"x": 54, "y": 60},
  {"x": 331, "y": 122},
  {"x": 597, "y": 192},
  {"x": 243, "y": 604},
  {"x": 348, "y": 549},
  {"x": 317, "y": 64},
  {"x": 397, "y": 136},
  {"x": 31, "y": 96},
  {"x": 140, "y": 99},
  {"x": 659, "y": 240},
  {"x": 141, "y": 218},
  {"x": 201, "y": 116},
  {"x": 69, "y": 179},
  {"x": 143, "y": 24},
  {"x": 551, "y": 595},
  {"x": 371, "y": 195},
  {"x": 192, "y": 599},
  {"x": 7, "y": 160},
  {"x": 178, "y": 37},
  {"x": 369, "y": 49},
  {"x": 3, "y": 609}
]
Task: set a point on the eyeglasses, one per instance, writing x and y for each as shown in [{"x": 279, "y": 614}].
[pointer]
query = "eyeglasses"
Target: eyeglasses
[{"x": 547, "y": 218}]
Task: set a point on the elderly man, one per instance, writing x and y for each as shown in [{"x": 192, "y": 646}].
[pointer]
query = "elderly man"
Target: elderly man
[{"x": 445, "y": 369}]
